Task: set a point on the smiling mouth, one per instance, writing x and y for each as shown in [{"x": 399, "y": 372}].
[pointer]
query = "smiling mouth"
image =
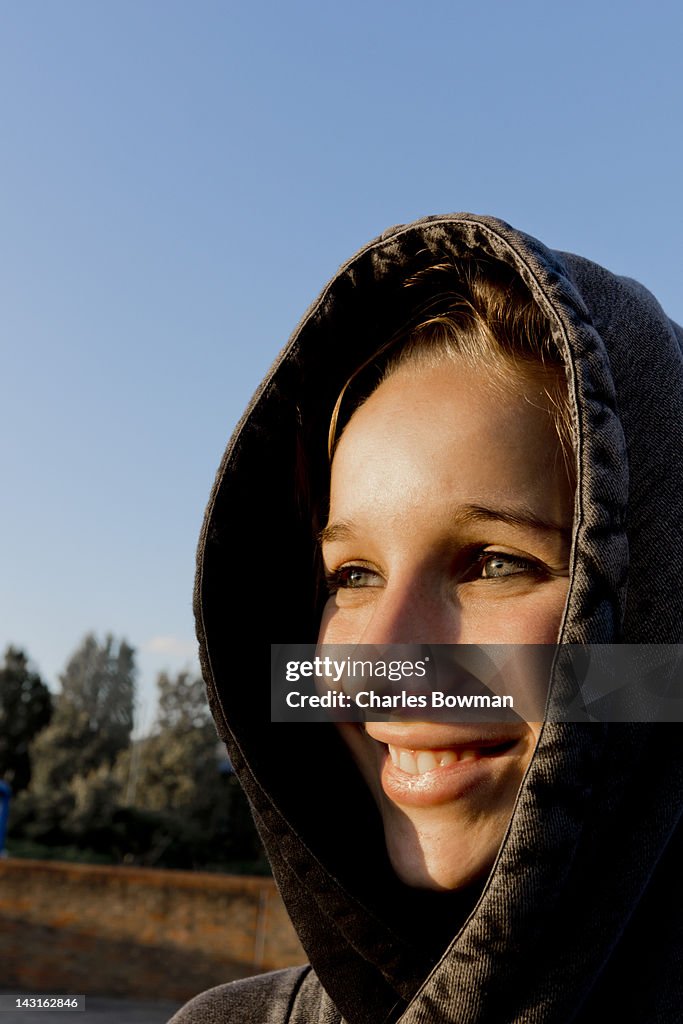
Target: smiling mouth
[{"x": 420, "y": 762}]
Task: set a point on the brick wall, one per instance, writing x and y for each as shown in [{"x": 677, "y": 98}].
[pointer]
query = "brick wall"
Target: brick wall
[{"x": 136, "y": 932}]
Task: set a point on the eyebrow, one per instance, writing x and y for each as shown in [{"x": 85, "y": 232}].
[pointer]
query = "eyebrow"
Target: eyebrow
[
  {"x": 520, "y": 516},
  {"x": 336, "y": 531}
]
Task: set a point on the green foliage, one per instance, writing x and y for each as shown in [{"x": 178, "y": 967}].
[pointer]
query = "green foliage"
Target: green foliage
[
  {"x": 182, "y": 703},
  {"x": 39, "y": 815},
  {"x": 39, "y": 851},
  {"x": 25, "y": 709},
  {"x": 99, "y": 683},
  {"x": 93, "y": 715},
  {"x": 94, "y": 801},
  {"x": 158, "y": 801},
  {"x": 175, "y": 773}
]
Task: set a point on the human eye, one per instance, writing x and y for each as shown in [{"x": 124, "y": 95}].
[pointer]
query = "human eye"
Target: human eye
[
  {"x": 352, "y": 577},
  {"x": 494, "y": 565}
]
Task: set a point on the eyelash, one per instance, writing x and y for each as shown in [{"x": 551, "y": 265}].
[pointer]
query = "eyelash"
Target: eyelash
[
  {"x": 524, "y": 565},
  {"x": 338, "y": 579}
]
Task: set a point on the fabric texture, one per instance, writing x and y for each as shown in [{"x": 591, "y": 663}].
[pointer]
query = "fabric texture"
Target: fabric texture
[
  {"x": 293, "y": 996},
  {"x": 580, "y": 918}
]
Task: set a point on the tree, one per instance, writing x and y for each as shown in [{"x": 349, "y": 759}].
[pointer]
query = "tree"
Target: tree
[
  {"x": 182, "y": 703},
  {"x": 99, "y": 680},
  {"x": 25, "y": 709},
  {"x": 176, "y": 768},
  {"x": 93, "y": 715},
  {"x": 176, "y": 773},
  {"x": 162, "y": 800}
]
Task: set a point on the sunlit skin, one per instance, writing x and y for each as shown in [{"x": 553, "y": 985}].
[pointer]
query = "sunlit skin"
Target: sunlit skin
[{"x": 450, "y": 522}]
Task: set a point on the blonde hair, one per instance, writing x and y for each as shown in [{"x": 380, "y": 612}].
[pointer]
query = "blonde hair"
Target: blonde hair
[{"x": 477, "y": 311}]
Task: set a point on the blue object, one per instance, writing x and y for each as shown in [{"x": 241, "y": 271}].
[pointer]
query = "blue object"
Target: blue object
[{"x": 5, "y": 794}]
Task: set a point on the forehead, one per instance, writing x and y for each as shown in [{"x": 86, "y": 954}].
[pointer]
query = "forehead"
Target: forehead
[{"x": 453, "y": 432}]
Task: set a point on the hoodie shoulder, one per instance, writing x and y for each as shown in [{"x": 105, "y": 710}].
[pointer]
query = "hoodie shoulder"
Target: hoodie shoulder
[{"x": 264, "y": 999}]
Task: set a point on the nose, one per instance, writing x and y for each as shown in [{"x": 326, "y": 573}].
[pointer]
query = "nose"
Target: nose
[{"x": 412, "y": 612}]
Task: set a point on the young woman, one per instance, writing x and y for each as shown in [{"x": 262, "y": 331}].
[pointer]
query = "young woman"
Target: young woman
[
  {"x": 470, "y": 439},
  {"x": 450, "y": 512}
]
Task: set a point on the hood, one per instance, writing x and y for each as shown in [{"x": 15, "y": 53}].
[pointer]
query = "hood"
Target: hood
[{"x": 574, "y": 921}]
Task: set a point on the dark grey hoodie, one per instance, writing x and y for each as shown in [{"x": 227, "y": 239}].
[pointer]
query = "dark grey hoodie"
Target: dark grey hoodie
[{"x": 581, "y": 917}]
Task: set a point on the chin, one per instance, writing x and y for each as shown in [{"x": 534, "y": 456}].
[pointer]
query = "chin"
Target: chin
[{"x": 425, "y": 855}]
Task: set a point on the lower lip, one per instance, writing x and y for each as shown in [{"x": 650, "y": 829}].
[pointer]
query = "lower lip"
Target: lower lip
[{"x": 442, "y": 785}]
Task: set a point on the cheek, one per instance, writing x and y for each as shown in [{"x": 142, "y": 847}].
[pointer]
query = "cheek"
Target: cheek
[
  {"x": 533, "y": 619},
  {"x": 332, "y": 629},
  {"x": 343, "y": 625}
]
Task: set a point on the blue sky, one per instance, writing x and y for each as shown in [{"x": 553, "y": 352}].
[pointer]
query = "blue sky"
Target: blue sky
[{"x": 180, "y": 179}]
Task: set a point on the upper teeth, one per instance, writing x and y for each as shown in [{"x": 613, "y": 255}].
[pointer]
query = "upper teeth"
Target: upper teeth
[{"x": 418, "y": 762}]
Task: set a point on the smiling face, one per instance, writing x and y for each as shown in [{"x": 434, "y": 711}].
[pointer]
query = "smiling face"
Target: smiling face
[{"x": 450, "y": 522}]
